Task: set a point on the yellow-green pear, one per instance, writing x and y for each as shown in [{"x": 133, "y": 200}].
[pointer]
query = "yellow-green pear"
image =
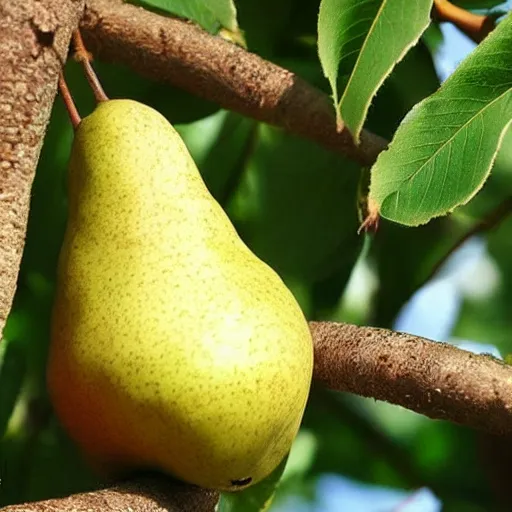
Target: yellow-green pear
[{"x": 173, "y": 346}]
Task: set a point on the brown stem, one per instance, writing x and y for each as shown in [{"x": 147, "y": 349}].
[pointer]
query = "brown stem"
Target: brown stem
[
  {"x": 84, "y": 57},
  {"x": 475, "y": 26},
  {"x": 490, "y": 221},
  {"x": 173, "y": 51},
  {"x": 74, "y": 116}
]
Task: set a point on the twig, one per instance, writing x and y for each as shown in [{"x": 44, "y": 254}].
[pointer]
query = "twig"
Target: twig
[
  {"x": 84, "y": 57},
  {"x": 475, "y": 26},
  {"x": 490, "y": 221},
  {"x": 34, "y": 40},
  {"x": 176, "y": 52},
  {"x": 74, "y": 116}
]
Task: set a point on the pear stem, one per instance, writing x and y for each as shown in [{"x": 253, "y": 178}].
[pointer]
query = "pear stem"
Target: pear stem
[
  {"x": 74, "y": 116},
  {"x": 85, "y": 58}
]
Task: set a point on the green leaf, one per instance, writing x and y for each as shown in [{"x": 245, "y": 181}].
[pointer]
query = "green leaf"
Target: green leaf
[
  {"x": 443, "y": 151},
  {"x": 211, "y": 15},
  {"x": 412, "y": 80},
  {"x": 256, "y": 498},
  {"x": 359, "y": 43}
]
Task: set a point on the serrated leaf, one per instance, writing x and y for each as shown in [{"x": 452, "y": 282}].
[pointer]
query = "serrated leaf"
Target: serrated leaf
[
  {"x": 359, "y": 43},
  {"x": 211, "y": 15},
  {"x": 256, "y": 498},
  {"x": 443, "y": 151}
]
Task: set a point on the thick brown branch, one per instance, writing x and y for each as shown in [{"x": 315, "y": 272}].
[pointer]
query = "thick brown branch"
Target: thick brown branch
[
  {"x": 141, "y": 495},
  {"x": 434, "y": 379},
  {"x": 179, "y": 53},
  {"x": 475, "y": 26},
  {"x": 34, "y": 38}
]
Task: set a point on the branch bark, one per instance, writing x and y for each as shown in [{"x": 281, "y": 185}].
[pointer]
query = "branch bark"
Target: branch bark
[
  {"x": 180, "y": 53},
  {"x": 148, "y": 494},
  {"x": 34, "y": 39},
  {"x": 435, "y": 379}
]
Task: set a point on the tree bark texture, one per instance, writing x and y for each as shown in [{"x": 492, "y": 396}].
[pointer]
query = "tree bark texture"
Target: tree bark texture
[{"x": 34, "y": 40}]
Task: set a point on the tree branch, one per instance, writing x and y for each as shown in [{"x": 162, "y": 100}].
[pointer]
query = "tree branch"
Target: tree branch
[
  {"x": 435, "y": 379},
  {"x": 180, "y": 53},
  {"x": 148, "y": 494},
  {"x": 475, "y": 26},
  {"x": 34, "y": 39}
]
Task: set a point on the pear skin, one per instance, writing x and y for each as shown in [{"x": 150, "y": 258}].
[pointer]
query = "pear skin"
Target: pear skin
[{"x": 173, "y": 346}]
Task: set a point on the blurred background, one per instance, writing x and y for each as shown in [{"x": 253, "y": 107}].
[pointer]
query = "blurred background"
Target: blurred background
[{"x": 295, "y": 205}]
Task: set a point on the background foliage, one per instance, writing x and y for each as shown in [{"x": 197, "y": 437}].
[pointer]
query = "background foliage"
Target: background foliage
[{"x": 296, "y": 206}]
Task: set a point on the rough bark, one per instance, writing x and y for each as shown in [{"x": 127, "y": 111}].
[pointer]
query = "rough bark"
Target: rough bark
[
  {"x": 34, "y": 38},
  {"x": 435, "y": 379},
  {"x": 141, "y": 495},
  {"x": 180, "y": 53}
]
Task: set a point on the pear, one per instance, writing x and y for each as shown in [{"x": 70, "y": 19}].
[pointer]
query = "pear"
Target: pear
[{"x": 173, "y": 346}]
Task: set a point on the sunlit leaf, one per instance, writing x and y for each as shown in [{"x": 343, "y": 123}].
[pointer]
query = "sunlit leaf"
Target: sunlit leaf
[
  {"x": 211, "y": 15},
  {"x": 359, "y": 43},
  {"x": 443, "y": 151},
  {"x": 412, "y": 80}
]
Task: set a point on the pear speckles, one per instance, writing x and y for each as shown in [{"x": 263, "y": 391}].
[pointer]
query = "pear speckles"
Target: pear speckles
[{"x": 172, "y": 345}]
